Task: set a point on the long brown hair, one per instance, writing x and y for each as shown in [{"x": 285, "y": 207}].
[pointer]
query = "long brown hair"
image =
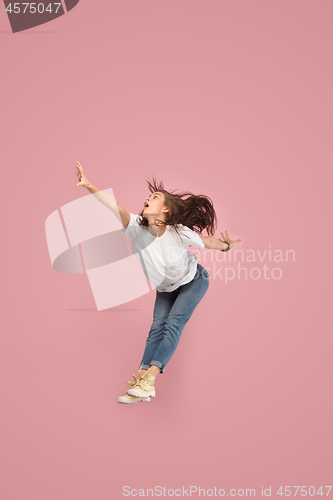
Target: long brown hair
[{"x": 195, "y": 212}]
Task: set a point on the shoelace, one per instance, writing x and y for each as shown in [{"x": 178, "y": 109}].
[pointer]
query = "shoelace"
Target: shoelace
[
  {"x": 136, "y": 380},
  {"x": 144, "y": 383}
]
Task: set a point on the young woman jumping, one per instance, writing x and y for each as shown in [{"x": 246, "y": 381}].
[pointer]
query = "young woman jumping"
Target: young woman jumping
[{"x": 161, "y": 234}]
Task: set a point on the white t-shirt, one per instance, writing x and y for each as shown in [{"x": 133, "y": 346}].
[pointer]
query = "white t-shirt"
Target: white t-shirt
[{"x": 165, "y": 259}]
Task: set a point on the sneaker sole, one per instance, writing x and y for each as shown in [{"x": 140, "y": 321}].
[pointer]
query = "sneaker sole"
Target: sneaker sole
[
  {"x": 134, "y": 392},
  {"x": 124, "y": 400}
]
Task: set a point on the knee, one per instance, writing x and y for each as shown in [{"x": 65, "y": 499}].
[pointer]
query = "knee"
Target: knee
[
  {"x": 174, "y": 326},
  {"x": 159, "y": 321},
  {"x": 175, "y": 320},
  {"x": 158, "y": 324}
]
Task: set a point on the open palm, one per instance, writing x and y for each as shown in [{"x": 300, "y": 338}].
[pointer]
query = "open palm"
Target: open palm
[
  {"x": 83, "y": 181},
  {"x": 228, "y": 240}
]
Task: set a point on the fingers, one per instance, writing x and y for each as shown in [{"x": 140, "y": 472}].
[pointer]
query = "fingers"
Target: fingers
[
  {"x": 228, "y": 238},
  {"x": 79, "y": 173}
]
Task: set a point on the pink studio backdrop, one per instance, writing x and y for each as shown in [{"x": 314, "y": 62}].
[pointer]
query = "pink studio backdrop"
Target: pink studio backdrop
[{"x": 228, "y": 99}]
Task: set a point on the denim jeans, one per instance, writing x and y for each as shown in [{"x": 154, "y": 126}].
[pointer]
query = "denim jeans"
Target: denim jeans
[{"x": 172, "y": 311}]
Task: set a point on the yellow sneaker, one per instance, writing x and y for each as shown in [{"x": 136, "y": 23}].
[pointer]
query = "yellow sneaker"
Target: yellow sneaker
[
  {"x": 127, "y": 398},
  {"x": 144, "y": 387}
]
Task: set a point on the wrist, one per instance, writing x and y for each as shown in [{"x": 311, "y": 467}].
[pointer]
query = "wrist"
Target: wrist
[
  {"x": 91, "y": 188},
  {"x": 226, "y": 246}
]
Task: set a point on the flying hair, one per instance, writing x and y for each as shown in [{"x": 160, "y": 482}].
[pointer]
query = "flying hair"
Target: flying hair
[{"x": 195, "y": 211}]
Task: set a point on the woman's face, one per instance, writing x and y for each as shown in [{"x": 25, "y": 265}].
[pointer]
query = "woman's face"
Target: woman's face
[{"x": 155, "y": 204}]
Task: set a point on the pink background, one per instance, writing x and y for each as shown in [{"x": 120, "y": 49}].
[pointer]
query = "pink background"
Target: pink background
[{"x": 228, "y": 99}]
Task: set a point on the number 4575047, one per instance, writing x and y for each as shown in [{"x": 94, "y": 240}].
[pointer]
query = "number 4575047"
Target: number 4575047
[{"x": 32, "y": 8}]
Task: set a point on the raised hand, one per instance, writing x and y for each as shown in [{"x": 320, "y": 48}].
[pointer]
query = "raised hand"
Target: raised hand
[
  {"x": 83, "y": 181},
  {"x": 228, "y": 240}
]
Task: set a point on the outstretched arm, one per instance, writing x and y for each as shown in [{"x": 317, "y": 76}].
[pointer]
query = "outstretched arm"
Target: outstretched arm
[{"x": 107, "y": 199}]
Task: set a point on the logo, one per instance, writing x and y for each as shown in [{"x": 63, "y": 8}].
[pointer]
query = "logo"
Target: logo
[
  {"x": 85, "y": 226},
  {"x": 26, "y": 15}
]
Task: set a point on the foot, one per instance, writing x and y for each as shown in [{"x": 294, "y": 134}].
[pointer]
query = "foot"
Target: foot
[
  {"x": 127, "y": 399},
  {"x": 144, "y": 387}
]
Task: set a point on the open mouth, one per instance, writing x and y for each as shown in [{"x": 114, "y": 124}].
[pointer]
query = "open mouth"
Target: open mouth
[{"x": 146, "y": 205}]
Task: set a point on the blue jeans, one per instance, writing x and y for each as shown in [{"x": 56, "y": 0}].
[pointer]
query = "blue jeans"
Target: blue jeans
[{"x": 172, "y": 311}]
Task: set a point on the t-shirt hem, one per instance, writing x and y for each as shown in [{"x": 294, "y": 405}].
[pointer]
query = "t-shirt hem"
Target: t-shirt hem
[{"x": 179, "y": 285}]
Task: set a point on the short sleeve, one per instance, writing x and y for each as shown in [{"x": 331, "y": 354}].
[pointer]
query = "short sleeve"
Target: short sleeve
[
  {"x": 192, "y": 239},
  {"x": 133, "y": 227}
]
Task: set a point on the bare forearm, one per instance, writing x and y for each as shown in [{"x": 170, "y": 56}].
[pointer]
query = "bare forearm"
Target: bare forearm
[
  {"x": 92, "y": 188},
  {"x": 107, "y": 199}
]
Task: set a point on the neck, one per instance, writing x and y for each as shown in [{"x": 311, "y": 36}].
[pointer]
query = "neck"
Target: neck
[{"x": 158, "y": 229}]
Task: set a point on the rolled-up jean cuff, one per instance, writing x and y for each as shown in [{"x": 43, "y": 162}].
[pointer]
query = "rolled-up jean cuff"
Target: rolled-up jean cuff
[
  {"x": 156, "y": 363},
  {"x": 159, "y": 364}
]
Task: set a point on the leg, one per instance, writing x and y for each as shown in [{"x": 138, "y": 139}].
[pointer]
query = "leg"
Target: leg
[
  {"x": 163, "y": 304},
  {"x": 153, "y": 370},
  {"x": 188, "y": 297}
]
